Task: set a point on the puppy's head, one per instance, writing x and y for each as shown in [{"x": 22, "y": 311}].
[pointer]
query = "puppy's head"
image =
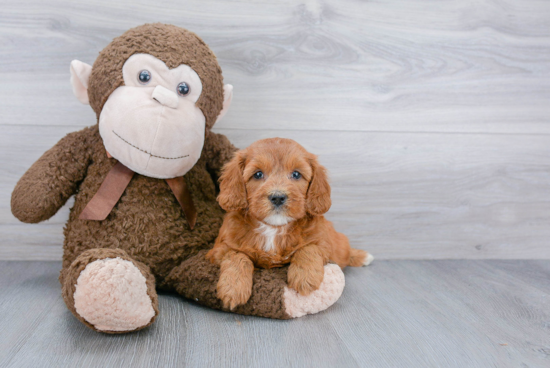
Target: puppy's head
[{"x": 277, "y": 181}]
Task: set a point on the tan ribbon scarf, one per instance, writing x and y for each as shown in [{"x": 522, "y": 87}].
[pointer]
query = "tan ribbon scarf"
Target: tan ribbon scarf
[{"x": 116, "y": 182}]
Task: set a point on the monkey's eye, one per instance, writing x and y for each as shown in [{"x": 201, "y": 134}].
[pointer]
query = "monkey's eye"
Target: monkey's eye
[
  {"x": 258, "y": 175},
  {"x": 183, "y": 89},
  {"x": 296, "y": 175},
  {"x": 144, "y": 76}
]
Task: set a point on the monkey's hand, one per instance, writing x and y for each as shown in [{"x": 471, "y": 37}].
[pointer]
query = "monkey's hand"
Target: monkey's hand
[{"x": 51, "y": 180}]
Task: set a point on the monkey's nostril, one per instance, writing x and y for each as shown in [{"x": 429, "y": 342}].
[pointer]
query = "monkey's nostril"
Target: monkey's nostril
[
  {"x": 278, "y": 199},
  {"x": 165, "y": 97}
]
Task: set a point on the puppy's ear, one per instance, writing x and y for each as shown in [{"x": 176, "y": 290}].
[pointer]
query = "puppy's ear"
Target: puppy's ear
[
  {"x": 318, "y": 194},
  {"x": 232, "y": 195}
]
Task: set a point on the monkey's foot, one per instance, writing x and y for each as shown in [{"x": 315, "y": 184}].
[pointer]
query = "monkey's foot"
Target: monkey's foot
[
  {"x": 112, "y": 295},
  {"x": 328, "y": 293}
]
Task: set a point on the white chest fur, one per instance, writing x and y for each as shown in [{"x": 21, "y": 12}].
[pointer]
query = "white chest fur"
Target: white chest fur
[{"x": 268, "y": 236}]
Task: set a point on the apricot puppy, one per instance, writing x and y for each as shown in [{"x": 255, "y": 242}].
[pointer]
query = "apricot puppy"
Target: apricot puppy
[{"x": 275, "y": 193}]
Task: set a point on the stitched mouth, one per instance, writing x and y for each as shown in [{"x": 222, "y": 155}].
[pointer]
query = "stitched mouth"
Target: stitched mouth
[{"x": 144, "y": 151}]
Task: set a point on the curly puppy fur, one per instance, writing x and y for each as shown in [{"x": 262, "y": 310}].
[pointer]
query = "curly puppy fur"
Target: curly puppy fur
[
  {"x": 277, "y": 193},
  {"x": 147, "y": 226}
]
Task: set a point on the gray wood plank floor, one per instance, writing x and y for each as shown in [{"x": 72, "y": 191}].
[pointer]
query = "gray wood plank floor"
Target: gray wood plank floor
[
  {"x": 392, "y": 314},
  {"x": 431, "y": 116}
]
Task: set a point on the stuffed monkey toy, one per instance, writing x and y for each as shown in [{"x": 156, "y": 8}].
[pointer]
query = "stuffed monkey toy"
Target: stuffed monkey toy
[{"x": 144, "y": 179}]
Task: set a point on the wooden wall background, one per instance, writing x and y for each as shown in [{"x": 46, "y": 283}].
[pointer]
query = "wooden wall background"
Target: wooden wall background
[{"x": 433, "y": 117}]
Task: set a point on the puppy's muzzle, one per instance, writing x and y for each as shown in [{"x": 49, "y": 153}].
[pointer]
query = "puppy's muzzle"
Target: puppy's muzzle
[{"x": 277, "y": 199}]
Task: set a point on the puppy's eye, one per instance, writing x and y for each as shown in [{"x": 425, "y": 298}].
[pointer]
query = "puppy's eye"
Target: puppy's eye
[
  {"x": 296, "y": 175},
  {"x": 258, "y": 175},
  {"x": 183, "y": 89},
  {"x": 144, "y": 76}
]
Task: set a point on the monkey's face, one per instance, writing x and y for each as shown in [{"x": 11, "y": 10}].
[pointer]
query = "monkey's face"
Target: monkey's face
[
  {"x": 151, "y": 124},
  {"x": 155, "y": 90}
]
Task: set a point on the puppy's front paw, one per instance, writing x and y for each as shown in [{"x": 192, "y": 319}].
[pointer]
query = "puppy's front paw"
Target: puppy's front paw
[
  {"x": 233, "y": 292},
  {"x": 305, "y": 280}
]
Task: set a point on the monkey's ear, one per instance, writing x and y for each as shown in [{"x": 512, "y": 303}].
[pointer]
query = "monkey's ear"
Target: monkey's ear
[
  {"x": 227, "y": 97},
  {"x": 80, "y": 73}
]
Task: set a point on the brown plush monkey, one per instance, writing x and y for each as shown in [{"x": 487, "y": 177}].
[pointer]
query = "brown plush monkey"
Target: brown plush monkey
[{"x": 145, "y": 211}]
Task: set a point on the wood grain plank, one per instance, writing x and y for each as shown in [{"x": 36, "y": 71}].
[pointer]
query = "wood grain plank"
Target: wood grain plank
[
  {"x": 446, "y": 314},
  {"x": 397, "y": 195},
  {"x": 391, "y": 314},
  {"x": 431, "y": 116},
  {"x": 473, "y": 66}
]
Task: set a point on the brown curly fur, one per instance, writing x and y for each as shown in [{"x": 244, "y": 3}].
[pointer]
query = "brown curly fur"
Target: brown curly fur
[{"x": 147, "y": 226}]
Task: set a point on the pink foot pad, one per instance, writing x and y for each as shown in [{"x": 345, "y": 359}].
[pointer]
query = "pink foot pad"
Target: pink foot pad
[
  {"x": 328, "y": 293},
  {"x": 111, "y": 294}
]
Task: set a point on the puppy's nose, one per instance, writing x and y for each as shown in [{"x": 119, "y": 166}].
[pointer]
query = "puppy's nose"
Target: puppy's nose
[{"x": 278, "y": 199}]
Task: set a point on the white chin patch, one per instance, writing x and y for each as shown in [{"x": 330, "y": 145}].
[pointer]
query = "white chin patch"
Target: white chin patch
[
  {"x": 277, "y": 220},
  {"x": 150, "y": 138}
]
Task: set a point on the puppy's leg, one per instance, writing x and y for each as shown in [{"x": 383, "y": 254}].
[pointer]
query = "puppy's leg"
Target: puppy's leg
[
  {"x": 235, "y": 283},
  {"x": 359, "y": 258},
  {"x": 306, "y": 271},
  {"x": 343, "y": 254}
]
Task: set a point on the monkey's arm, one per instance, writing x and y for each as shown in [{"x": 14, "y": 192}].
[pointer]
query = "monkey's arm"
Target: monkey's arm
[
  {"x": 218, "y": 151},
  {"x": 51, "y": 180},
  {"x": 197, "y": 278}
]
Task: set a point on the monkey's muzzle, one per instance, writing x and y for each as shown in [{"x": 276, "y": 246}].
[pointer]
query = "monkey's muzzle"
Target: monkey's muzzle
[{"x": 152, "y": 131}]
